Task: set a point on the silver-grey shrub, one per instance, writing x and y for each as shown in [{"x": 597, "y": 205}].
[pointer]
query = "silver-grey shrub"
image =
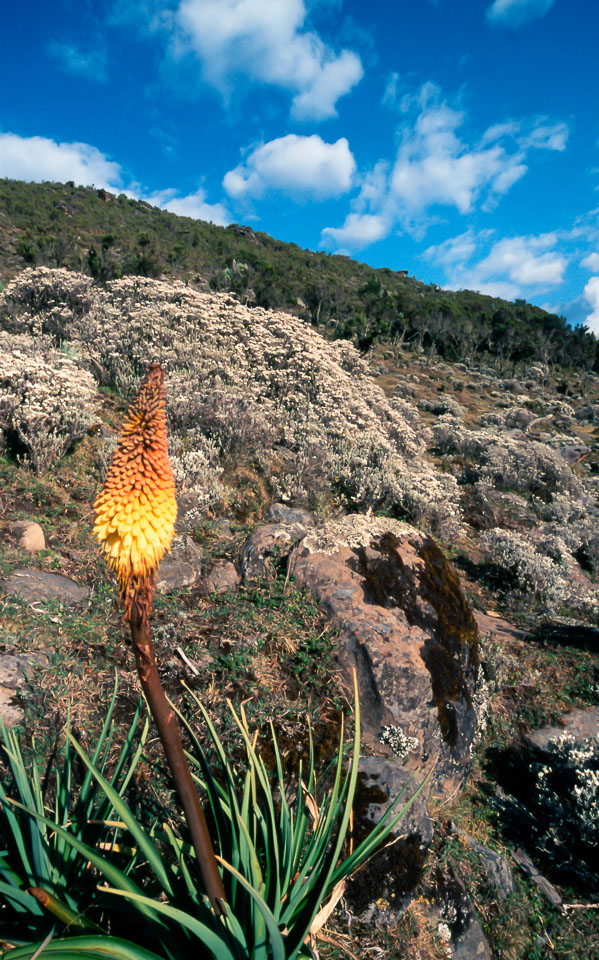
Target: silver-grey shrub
[
  {"x": 568, "y": 789},
  {"x": 533, "y": 572},
  {"x": 248, "y": 378},
  {"x": 46, "y": 399}
]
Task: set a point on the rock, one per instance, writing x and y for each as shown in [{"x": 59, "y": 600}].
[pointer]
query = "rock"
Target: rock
[
  {"x": 382, "y": 779},
  {"x": 16, "y": 668},
  {"x": 494, "y": 864},
  {"x": 37, "y": 585},
  {"x": 397, "y": 868},
  {"x": 494, "y": 625},
  {"x": 222, "y": 577},
  {"x": 573, "y": 452},
  {"x": 30, "y": 535},
  {"x": 471, "y": 944},
  {"x": 222, "y": 529},
  {"x": 405, "y": 626},
  {"x": 579, "y": 724},
  {"x": 275, "y": 540},
  {"x": 546, "y": 888},
  {"x": 457, "y": 923},
  {"x": 243, "y": 231},
  {"x": 280, "y": 513},
  {"x": 11, "y": 714},
  {"x": 182, "y": 567}
]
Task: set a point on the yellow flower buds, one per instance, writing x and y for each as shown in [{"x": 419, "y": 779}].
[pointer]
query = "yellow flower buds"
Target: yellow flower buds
[{"x": 136, "y": 509}]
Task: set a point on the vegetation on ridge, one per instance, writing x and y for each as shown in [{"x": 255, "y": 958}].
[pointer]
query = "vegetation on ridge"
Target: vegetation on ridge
[
  {"x": 501, "y": 462},
  {"x": 89, "y": 230}
]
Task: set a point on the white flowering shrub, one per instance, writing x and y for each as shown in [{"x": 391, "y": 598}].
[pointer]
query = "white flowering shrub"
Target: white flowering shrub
[
  {"x": 44, "y": 301},
  {"x": 451, "y": 437},
  {"x": 559, "y": 785},
  {"x": 401, "y": 745},
  {"x": 529, "y": 467},
  {"x": 568, "y": 787},
  {"x": 258, "y": 383},
  {"x": 533, "y": 573},
  {"x": 561, "y": 410},
  {"x": 442, "y": 405},
  {"x": 302, "y": 473},
  {"x": 517, "y": 463},
  {"x": 46, "y": 400},
  {"x": 196, "y": 468},
  {"x": 518, "y": 417}
]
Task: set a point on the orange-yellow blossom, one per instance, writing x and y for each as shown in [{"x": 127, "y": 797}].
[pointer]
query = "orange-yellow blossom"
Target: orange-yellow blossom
[{"x": 136, "y": 509}]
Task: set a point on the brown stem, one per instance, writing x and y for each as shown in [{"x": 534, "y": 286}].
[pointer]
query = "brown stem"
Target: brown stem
[{"x": 166, "y": 722}]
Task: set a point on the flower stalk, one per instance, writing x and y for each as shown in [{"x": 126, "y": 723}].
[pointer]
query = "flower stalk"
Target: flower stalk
[{"x": 135, "y": 517}]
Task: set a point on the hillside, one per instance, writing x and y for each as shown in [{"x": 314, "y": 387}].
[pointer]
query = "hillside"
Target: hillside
[
  {"x": 320, "y": 492},
  {"x": 89, "y": 230}
]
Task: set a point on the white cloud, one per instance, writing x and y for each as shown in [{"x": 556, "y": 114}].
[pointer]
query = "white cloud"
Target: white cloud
[
  {"x": 38, "y": 158},
  {"x": 522, "y": 259},
  {"x": 510, "y": 268},
  {"x": 301, "y": 166},
  {"x": 591, "y": 262},
  {"x": 514, "y": 13},
  {"x": 536, "y": 134},
  {"x": 545, "y": 136},
  {"x": 332, "y": 80},
  {"x": 391, "y": 91},
  {"x": 359, "y": 230},
  {"x": 591, "y": 294},
  {"x": 90, "y": 64},
  {"x": 495, "y": 288},
  {"x": 433, "y": 166},
  {"x": 436, "y": 165},
  {"x": 263, "y": 41},
  {"x": 193, "y": 205},
  {"x": 453, "y": 251},
  {"x": 499, "y": 130}
]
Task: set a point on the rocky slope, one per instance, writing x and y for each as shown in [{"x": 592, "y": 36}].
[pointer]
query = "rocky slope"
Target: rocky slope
[{"x": 376, "y": 470}]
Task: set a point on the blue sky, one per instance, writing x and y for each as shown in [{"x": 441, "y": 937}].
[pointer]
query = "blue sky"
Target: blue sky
[{"x": 458, "y": 139}]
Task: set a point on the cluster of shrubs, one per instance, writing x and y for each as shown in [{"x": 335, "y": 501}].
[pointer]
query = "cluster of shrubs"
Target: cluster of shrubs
[
  {"x": 255, "y": 386},
  {"x": 567, "y": 791},
  {"x": 253, "y": 383},
  {"x": 539, "y": 519},
  {"x": 46, "y": 399}
]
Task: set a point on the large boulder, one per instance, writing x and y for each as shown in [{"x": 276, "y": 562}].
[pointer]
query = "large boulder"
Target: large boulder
[
  {"x": 39, "y": 585},
  {"x": 274, "y": 541},
  {"x": 405, "y": 627},
  {"x": 182, "y": 566},
  {"x": 222, "y": 577}
]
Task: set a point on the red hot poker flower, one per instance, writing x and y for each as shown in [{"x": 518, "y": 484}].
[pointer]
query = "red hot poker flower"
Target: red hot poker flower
[{"x": 136, "y": 509}]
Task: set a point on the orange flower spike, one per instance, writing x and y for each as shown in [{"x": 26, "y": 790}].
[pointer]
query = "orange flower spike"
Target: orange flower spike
[{"x": 136, "y": 509}]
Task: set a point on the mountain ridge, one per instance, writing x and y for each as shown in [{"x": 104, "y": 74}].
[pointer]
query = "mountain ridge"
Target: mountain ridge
[{"x": 108, "y": 236}]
